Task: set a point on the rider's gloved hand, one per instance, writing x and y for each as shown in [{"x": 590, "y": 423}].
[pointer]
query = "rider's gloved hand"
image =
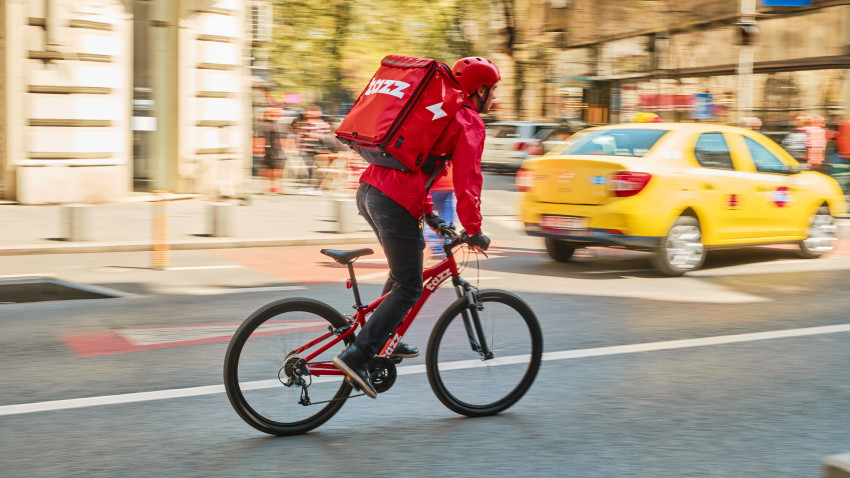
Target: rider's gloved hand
[
  {"x": 479, "y": 241},
  {"x": 434, "y": 221}
]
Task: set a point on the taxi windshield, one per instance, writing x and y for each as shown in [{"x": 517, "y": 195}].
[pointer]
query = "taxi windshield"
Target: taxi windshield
[{"x": 615, "y": 142}]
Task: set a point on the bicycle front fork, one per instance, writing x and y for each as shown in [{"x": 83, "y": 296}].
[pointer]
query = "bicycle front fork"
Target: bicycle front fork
[{"x": 471, "y": 319}]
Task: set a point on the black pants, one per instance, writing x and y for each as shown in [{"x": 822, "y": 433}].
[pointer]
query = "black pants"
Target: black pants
[{"x": 400, "y": 234}]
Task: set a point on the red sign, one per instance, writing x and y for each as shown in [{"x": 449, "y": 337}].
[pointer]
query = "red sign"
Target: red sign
[
  {"x": 781, "y": 196},
  {"x": 734, "y": 200}
]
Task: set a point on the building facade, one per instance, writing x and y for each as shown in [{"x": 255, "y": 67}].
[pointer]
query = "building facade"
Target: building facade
[
  {"x": 684, "y": 61},
  {"x": 101, "y": 98}
]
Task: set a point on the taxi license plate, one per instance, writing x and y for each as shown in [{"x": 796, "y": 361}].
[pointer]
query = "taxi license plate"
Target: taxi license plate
[{"x": 570, "y": 223}]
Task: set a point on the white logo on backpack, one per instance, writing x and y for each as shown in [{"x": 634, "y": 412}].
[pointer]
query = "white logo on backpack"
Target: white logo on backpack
[{"x": 389, "y": 87}]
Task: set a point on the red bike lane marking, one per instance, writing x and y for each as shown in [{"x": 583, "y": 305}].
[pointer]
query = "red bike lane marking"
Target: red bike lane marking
[
  {"x": 135, "y": 339},
  {"x": 304, "y": 264}
]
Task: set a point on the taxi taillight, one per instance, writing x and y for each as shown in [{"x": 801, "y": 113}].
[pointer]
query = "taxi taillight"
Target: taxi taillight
[
  {"x": 524, "y": 180},
  {"x": 628, "y": 183}
]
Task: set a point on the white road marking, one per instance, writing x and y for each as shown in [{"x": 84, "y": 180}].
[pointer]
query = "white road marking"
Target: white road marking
[
  {"x": 28, "y": 276},
  {"x": 241, "y": 290},
  {"x": 54, "y": 405}
]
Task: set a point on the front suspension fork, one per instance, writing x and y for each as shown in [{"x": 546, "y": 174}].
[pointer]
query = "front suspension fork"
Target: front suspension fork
[{"x": 471, "y": 319}]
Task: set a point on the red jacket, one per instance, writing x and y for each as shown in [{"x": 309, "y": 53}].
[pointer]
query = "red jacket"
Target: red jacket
[{"x": 464, "y": 140}]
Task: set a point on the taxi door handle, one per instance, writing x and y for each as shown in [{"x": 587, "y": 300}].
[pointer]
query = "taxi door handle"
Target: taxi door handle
[
  {"x": 708, "y": 186},
  {"x": 762, "y": 189}
]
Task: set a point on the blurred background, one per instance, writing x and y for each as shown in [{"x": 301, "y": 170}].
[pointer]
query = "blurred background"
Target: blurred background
[{"x": 104, "y": 98}]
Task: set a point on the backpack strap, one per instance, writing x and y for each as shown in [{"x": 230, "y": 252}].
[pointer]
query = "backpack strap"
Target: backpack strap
[{"x": 435, "y": 162}]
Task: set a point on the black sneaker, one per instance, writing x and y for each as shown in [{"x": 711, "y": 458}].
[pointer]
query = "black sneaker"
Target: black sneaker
[
  {"x": 405, "y": 351},
  {"x": 350, "y": 362}
]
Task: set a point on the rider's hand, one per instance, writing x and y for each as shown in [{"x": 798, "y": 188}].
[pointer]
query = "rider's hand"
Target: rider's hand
[
  {"x": 479, "y": 241},
  {"x": 434, "y": 221}
]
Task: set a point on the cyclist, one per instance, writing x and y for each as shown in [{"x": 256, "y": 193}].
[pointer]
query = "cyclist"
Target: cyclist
[{"x": 394, "y": 203}]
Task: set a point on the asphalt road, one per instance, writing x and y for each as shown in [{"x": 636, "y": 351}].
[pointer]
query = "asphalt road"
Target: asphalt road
[{"x": 738, "y": 370}]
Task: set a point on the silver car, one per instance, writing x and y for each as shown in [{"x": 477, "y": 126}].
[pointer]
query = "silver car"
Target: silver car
[{"x": 508, "y": 143}]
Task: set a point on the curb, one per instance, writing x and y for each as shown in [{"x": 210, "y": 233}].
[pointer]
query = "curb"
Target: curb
[
  {"x": 837, "y": 466},
  {"x": 212, "y": 243}
]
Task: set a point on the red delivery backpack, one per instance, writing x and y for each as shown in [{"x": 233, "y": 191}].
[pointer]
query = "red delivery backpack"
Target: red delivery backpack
[{"x": 402, "y": 112}]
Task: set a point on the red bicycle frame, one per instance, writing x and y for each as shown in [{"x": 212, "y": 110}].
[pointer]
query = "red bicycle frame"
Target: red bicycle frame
[{"x": 432, "y": 278}]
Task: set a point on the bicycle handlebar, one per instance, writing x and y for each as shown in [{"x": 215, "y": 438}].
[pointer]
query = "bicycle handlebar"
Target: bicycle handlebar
[{"x": 447, "y": 231}]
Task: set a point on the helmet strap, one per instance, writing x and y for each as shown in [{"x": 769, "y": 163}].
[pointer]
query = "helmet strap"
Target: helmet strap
[{"x": 483, "y": 101}]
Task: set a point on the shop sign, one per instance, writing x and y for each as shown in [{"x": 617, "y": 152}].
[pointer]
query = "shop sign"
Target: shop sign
[
  {"x": 703, "y": 107},
  {"x": 786, "y": 3}
]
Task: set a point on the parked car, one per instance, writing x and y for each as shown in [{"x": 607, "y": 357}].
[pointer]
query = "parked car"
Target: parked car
[
  {"x": 508, "y": 143},
  {"x": 676, "y": 190}
]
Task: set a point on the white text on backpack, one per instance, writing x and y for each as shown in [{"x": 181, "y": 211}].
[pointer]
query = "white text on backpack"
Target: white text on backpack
[{"x": 389, "y": 87}]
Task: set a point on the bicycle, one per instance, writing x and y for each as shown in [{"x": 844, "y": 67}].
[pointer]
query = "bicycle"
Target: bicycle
[{"x": 483, "y": 354}]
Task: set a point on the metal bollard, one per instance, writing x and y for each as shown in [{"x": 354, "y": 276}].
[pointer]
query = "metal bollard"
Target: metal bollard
[
  {"x": 160, "y": 231},
  {"x": 220, "y": 222},
  {"x": 76, "y": 222},
  {"x": 346, "y": 213}
]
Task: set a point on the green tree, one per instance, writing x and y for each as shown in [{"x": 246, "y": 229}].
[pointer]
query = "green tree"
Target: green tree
[{"x": 329, "y": 49}]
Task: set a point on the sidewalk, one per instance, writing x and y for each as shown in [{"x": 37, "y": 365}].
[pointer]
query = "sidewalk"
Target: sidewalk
[{"x": 259, "y": 220}]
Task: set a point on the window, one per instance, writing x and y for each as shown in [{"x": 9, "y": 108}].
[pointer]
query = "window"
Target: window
[
  {"x": 765, "y": 161},
  {"x": 544, "y": 132},
  {"x": 616, "y": 142},
  {"x": 504, "y": 131},
  {"x": 712, "y": 152}
]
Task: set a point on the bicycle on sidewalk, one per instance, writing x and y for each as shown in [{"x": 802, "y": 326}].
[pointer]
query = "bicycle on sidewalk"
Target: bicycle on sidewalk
[{"x": 482, "y": 356}]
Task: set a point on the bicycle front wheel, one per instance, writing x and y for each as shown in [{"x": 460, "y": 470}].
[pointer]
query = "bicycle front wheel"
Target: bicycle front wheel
[
  {"x": 260, "y": 368},
  {"x": 480, "y": 362}
]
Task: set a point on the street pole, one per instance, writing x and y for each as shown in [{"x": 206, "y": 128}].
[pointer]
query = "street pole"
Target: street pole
[{"x": 746, "y": 56}]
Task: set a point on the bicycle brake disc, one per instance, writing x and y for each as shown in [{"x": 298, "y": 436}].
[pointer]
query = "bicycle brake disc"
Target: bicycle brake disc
[{"x": 382, "y": 372}]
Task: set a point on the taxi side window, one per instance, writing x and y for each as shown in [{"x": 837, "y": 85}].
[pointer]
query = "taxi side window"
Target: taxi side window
[
  {"x": 712, "y": 152},
  {"x": 765, "y": 161}
]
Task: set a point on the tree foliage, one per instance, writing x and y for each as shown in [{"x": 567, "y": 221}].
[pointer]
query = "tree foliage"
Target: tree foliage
[{"x": 329, "y": 49}]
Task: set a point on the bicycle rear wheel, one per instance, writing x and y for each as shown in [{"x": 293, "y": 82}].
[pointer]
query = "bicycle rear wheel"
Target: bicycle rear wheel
[
  {"x": 255, "y": 372},
  {"x": 463, "y": 376}
]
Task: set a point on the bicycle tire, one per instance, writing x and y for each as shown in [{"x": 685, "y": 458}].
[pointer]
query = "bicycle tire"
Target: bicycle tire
[
  {"x": 255, "y": 357},
  {"x": 459, "y": 376}
]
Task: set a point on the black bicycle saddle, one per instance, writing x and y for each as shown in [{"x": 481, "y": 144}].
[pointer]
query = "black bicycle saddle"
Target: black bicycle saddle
[{"x": 345, "y": 257}]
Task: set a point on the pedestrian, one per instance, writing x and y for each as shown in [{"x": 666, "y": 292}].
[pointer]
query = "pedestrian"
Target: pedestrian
[
  {"x": 443, "y": 197},
  {"x": 842, "y": 141},
  {"x": 795, "y": 142},
  {"x": 751, "y": 122},
  {"x": 816, "y": 139},
  {"x": 312, "y": 132},
  {"x": 394, "y": 202},
  {"x": 273, "y": 159}
]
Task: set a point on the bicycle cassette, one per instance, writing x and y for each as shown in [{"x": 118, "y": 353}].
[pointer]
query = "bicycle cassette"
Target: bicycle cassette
[{"x": 382, "y": 373}]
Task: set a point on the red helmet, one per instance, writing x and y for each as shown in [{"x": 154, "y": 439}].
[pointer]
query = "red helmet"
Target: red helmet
[{"x": 472, "y": 72}]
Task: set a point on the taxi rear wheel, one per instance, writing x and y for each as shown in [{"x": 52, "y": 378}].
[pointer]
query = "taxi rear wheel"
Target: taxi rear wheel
[
  {"x": 822, "y": 235},
  {"x": 559, "y": 249},
  {"x": 682, "y": 250}
]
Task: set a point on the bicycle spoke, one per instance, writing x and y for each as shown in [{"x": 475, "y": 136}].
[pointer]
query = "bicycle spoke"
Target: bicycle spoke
[
  {"x": 484, "y": 380},
  {"x": 267, "y": 381}
]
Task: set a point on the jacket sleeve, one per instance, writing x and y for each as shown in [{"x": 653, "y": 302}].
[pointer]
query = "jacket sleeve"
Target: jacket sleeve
[
  {"x": 467, "y": 179},
  {"x": 428, "y": 208}
]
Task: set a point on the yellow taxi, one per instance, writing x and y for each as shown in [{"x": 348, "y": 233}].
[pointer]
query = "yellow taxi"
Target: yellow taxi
[{"x": 676, "y": 189}]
